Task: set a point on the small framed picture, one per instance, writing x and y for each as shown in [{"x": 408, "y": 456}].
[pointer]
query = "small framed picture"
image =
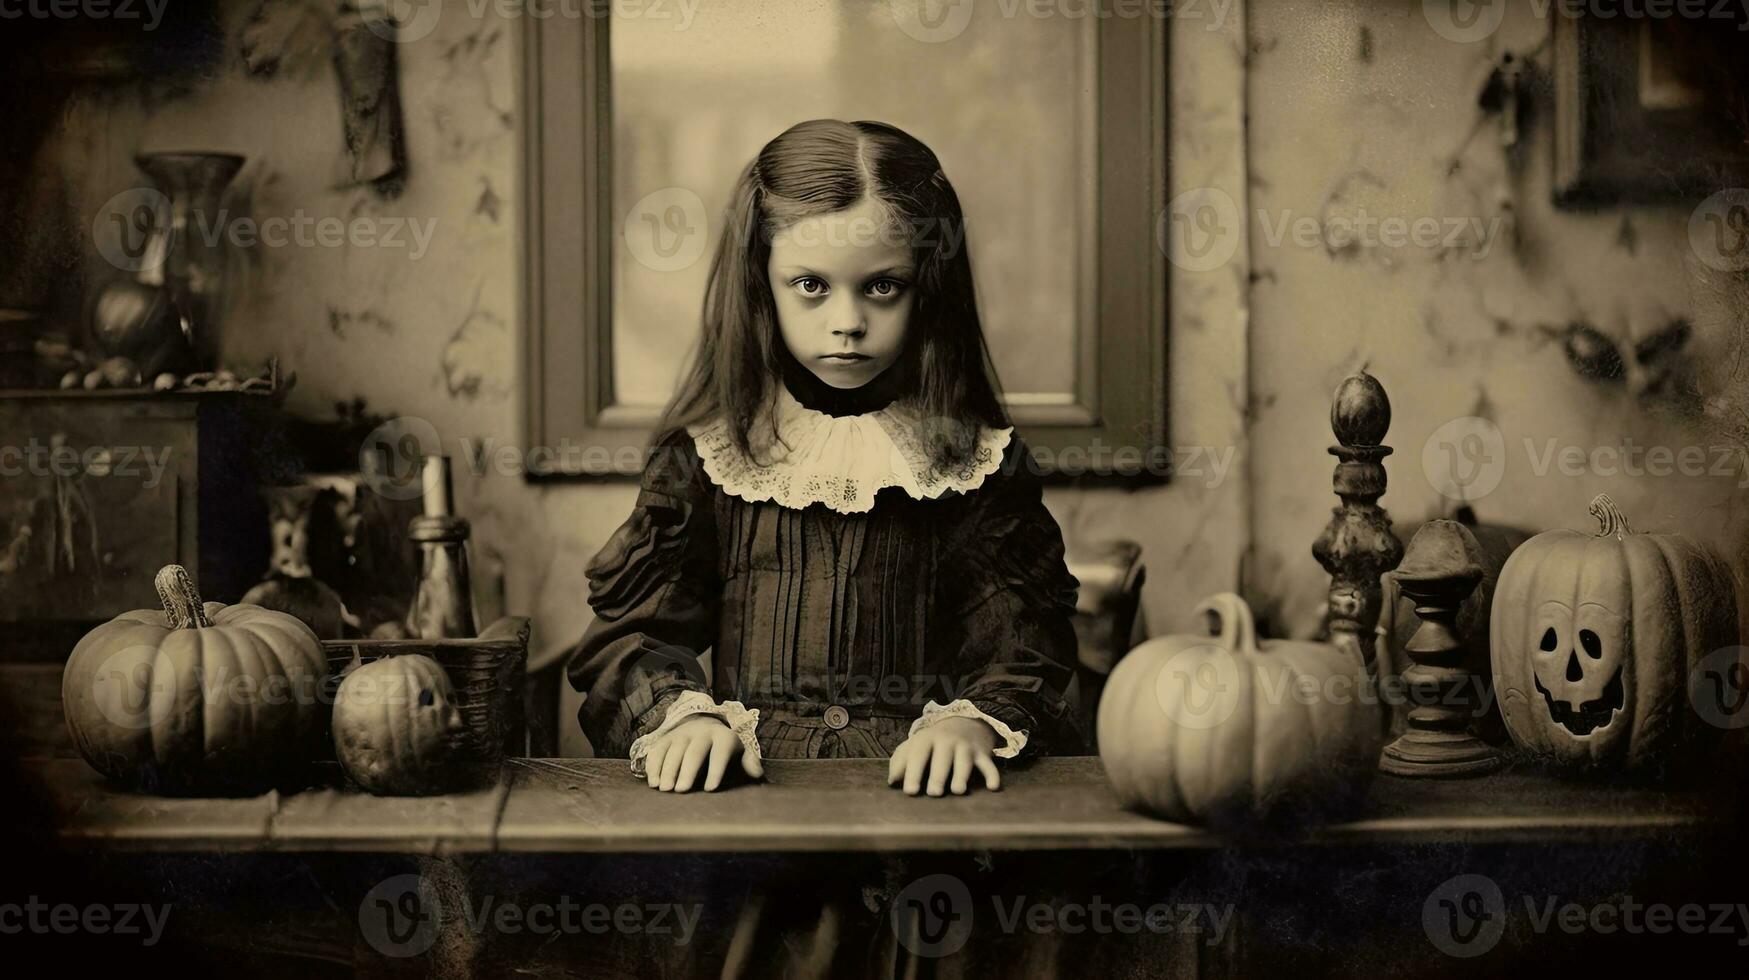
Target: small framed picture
[{"x": 1649, "y": 110}]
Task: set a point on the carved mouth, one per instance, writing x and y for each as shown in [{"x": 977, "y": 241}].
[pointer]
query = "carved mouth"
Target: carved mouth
[{"x": 1591, "y": 715}]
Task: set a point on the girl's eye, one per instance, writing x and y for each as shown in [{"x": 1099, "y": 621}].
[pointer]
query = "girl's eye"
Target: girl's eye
[
  {"x": 886, "y": 288},
  {"x": 810, "y": 286}
]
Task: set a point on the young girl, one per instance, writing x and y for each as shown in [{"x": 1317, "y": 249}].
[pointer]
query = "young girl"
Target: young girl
[{"x": 836, "y": 506}]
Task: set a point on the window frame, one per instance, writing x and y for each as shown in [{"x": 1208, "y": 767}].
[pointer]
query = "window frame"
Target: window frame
[{"x": 1119, "y": 400}]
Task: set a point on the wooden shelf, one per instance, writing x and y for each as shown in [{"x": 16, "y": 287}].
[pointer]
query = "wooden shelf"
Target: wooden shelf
[{"x": 105, "y": 394}]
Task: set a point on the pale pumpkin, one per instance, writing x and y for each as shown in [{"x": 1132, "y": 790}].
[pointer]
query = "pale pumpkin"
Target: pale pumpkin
[
  {"x": 196, "y": 696},
  {"x": 1227, "y": 731},
  {"x": 395, "y": 726},
  {"x": 1594, "y": 638}
]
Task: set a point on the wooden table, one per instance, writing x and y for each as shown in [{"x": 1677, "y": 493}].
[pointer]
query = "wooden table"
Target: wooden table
[
  {"x": 309, "y": 861},
  {"x": 596, "y": 806}
]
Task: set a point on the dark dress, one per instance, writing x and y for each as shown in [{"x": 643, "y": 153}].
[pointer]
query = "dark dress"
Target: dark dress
[
  {"x": 964, "y": 596},
  {"x": 839, "y": 628}
]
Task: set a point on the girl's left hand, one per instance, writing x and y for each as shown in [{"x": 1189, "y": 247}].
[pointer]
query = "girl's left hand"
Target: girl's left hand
[{"x": 949, "y": 749}]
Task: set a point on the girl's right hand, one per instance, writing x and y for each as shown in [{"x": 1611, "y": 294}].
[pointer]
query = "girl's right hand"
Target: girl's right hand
[{"x": 674, "y": 761}]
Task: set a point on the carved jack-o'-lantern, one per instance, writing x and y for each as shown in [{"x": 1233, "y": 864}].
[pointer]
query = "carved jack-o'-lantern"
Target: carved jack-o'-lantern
[{"x": 1594, "y": 638}]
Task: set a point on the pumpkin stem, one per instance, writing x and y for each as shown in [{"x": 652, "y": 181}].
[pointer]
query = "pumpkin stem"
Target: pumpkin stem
[
  {"x": 1231, "y": 622},
  {"x": 182, "y": 605},
  {"x": 1609, "y": 518}
]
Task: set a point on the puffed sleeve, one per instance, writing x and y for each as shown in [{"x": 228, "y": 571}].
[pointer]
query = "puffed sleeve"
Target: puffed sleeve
[
  {"x": 654, "y": 588},
  {"x": 1013, "y": 596}
]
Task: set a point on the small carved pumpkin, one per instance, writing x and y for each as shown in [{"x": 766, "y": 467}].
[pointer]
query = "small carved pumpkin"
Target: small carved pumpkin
[
  {"x": 196, "y": 696},
  {"x": 1594, "y": 638},
  {"x": 1227, "y": 731},
  {"x": 395, "y": 725}
]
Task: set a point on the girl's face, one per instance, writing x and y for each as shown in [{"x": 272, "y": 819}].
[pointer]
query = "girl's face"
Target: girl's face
[{"x": 842, "y": 283}]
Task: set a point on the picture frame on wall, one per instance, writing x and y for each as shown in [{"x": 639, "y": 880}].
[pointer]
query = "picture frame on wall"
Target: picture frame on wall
[{"x": 1648, "y": 110}]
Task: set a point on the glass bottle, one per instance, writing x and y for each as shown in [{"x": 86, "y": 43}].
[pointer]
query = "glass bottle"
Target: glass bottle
[{"x": 443, "y": 600}]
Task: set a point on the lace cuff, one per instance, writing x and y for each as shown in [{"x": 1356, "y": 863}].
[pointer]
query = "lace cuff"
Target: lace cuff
[
  {"x": 933, "y": 712},
  {"x": 743, "y": 721}
]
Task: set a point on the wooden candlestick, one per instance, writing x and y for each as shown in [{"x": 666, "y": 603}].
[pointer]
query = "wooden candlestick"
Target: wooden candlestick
[
  {"x": 1357, "y": 546},
  {"x": 1442, "y": 568}
]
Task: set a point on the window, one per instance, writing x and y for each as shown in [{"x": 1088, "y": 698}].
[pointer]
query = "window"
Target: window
[{"x": 1051, "y": 128}]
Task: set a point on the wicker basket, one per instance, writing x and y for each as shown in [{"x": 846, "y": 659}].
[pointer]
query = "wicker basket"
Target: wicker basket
[{"x": 487, "y": 672}]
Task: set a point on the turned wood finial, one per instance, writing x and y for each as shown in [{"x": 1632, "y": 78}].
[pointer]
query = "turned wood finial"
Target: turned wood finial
[
  {"x": 1442, "y": 568},
  {"x": 1357, "y": 546},
  {"x": 1360, "y": 412}
]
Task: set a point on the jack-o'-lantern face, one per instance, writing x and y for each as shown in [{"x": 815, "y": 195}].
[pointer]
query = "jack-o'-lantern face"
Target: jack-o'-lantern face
[
  {"x": 1578, "y": 662},
  {"x": 1593, "y": 638}
]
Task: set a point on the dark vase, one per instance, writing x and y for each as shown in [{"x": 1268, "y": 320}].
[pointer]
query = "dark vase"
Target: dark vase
[{"x": 189, "y": 242}]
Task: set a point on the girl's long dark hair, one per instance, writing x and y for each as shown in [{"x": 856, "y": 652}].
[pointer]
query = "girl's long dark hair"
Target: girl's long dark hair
[{"x": 820, "y": 167}]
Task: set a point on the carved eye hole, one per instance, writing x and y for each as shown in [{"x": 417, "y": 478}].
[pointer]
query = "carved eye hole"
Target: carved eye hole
[
  {"x": 1592, "y": 645},
  {"x": 425, "y": 698},
  {"x": 1549, "y": 641}
]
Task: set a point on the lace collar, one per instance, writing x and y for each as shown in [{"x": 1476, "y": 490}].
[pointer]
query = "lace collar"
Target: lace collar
[{"x": 840, "y": 462}]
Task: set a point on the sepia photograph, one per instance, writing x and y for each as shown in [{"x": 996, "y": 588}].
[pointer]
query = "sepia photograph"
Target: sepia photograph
[{"x": 874, "y": 488}]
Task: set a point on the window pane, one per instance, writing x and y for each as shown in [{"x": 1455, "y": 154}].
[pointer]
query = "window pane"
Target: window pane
[{"x": 1007, "y": 103}]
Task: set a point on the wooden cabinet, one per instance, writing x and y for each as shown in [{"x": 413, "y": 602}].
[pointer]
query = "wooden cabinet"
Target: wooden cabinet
[{"x": 100, "y": 489}]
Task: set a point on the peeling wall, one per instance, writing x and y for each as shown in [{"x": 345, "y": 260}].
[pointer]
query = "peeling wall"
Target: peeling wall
[
  {"x": 1353, "y": 108},
  {"x": 1360, "y": 108}
]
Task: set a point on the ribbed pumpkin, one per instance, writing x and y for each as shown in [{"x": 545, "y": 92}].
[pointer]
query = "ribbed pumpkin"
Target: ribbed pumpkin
[
  {"x": 395, "y": 725},
  {"x": 1595, "y": 636},
  {"x": 1226, "y": 731},
  {"x": 196, "y": 696}
]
